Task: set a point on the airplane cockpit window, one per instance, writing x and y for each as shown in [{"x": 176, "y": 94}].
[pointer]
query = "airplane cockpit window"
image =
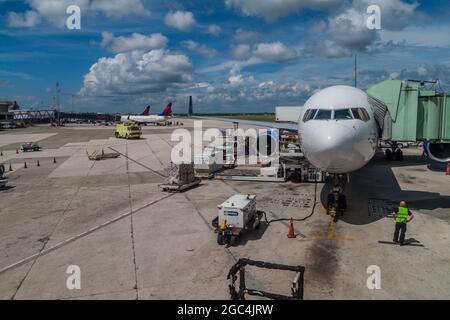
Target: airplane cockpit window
[
  {"x": 323, "y": 115},
  {"x": 356, "y": 114},
  {"x": 366, "y": 116},
  {"x": 344, "y": 114},
  {"x": 309, "y": 115},
  {"x": 361, "y": 114}
]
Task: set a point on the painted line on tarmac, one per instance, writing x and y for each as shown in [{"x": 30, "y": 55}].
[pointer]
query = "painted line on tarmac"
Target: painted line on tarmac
[
  {"x": 331, "y": 230},
  {"x": 81, "y": 235},
  {"x": 142, "y": 165}
]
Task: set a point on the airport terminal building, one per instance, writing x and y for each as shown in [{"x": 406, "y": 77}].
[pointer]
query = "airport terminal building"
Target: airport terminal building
[{"x": 6, "y": 110}]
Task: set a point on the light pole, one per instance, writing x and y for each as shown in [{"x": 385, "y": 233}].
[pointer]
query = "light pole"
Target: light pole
[{"x": 58, "y": 106}]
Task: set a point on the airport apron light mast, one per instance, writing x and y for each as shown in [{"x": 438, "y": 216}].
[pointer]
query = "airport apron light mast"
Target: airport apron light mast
[{"x": 58, "y": 106}]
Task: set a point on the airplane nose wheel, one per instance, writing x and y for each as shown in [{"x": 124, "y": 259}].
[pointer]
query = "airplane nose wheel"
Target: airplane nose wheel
[
  {"x": 337, "y": 201},
  {"x": 394, "y": 152}
]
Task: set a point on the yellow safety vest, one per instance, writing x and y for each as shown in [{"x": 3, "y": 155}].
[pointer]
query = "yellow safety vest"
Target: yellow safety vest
[{"x": 402, "y": 215}]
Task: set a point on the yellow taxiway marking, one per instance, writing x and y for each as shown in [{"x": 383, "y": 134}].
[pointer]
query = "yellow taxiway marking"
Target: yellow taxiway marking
[{"x": 330, "y": 233}]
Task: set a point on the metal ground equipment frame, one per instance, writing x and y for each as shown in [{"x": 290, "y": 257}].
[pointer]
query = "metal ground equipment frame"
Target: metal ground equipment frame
[
  {"x": 98, "y": 156},
  {"x": 297, "y": 284},
  {"x": 3, "y": 179}
]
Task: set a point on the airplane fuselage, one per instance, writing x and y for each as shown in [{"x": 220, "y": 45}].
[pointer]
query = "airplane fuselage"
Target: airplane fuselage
[{"x": 143, "y": 119}]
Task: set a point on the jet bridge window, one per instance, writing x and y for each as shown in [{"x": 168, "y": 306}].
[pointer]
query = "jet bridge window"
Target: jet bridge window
[
  {"x": 309, "y": 115},
  {"x": 323, "y": 115},
  {"x": 344, "y": 114},
  {"x": 361, "y": 114}
]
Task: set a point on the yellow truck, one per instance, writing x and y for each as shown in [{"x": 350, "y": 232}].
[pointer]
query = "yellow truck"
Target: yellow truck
[{"x": 128, "y": 131}]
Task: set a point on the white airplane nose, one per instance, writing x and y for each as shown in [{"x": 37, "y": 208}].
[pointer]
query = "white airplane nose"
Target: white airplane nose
[
  {"x": 332, "y": 137},
  {"x": 331, "y": 147}
]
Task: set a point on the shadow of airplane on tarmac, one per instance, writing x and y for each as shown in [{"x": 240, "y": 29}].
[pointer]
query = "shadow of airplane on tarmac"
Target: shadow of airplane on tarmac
[{"x": 377, "y": 181}]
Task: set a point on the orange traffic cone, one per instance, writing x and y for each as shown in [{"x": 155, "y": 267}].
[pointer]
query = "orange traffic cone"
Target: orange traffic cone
[
  {"x": 10, "y": 167},
  {"x": 17, "y": 151},
  {"x": 447, "y": 171},
  {"x": 291, "y": 233}
]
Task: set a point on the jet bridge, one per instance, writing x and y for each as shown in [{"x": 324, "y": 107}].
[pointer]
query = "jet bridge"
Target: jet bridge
[{"x": 410, "y": 111}]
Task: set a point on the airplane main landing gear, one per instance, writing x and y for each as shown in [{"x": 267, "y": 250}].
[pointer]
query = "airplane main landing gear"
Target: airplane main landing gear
[{"x": 337, "y": 201}]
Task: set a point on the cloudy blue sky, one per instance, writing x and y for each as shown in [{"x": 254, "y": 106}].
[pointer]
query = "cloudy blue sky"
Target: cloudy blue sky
[{"x": 231, "y": 55}]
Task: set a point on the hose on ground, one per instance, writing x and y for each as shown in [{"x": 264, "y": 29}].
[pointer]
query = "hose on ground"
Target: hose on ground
[{"x": 297, "y": 220}]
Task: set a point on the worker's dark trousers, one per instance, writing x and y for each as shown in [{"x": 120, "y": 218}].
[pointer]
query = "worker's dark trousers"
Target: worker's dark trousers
[{"x": 400, "y": 228}]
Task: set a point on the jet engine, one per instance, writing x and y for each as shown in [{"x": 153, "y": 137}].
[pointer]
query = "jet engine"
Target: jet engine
[{"x": 439, "y": 152}]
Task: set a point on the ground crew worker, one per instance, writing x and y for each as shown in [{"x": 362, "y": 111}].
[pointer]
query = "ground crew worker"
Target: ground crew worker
[{"x": 402, "y": 216}]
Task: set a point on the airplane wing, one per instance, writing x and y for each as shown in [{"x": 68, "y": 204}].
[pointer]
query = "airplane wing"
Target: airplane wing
[{"x": 288, "y": 126}]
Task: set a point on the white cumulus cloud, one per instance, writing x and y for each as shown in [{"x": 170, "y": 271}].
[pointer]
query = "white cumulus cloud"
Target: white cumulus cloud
[
  {"x": 327, "y": 49},
  {"x": 214, "y": 30},
  {"x": 347, "y": 31},
  {"x": 275, "y": 52},
  {"x": 23, "y": 20},
  {"x": 119, "y": 8},
  {"x": 54, "y": 11},
  {"x": 245, "y": 36},
  {"x": 136, "y": 41},
  {"x": 136, "y": 72},
  {"x": 180, "y": 20},
  {"x": 271, "y": 10},
  {"x": 241, "y": 52},
  {"x": 200, "y": 48},
  {"x": 235, "y": 80}
]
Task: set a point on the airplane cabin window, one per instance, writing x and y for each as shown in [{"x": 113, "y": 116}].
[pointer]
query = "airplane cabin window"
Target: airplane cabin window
[
  {"x": 344, "y": 114},
  {"x": 309, "y": 115},
  {"x": 323, "y": 115}
]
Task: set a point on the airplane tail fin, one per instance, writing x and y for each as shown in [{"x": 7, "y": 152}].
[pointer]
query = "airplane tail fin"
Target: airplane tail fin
[
  {"x": 146, "y": 111},
  {"x": 167, "y": 110},
  {"x": 191, "y": 108}
]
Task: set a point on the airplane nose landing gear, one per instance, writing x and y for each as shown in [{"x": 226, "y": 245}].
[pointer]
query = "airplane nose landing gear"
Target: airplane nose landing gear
[
  {"x": 394, "y": 152},
  {"x": 337, "y": 201}
]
